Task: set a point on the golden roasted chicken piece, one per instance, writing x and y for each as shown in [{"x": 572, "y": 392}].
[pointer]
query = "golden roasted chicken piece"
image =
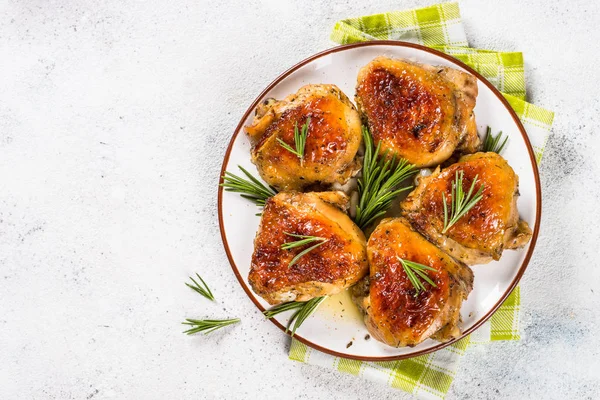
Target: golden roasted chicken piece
[
  {"x": 491, "y": 226},
  {"x": 332, "y": 141},
  {"x": 419, "y": 112},
  {"x": 328, "y": 269},
  {"x": 395, "y": 313}
]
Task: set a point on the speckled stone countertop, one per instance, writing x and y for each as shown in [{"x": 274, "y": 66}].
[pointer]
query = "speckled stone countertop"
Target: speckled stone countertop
[{"x": 114, "y": 118}]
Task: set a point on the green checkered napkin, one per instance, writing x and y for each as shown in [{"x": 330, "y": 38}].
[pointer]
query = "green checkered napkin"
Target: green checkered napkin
[{"x": 440, "y": 27}]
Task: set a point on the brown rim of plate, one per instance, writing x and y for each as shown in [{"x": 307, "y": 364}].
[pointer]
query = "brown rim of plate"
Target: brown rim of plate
[{"x": 536, "y": 228}]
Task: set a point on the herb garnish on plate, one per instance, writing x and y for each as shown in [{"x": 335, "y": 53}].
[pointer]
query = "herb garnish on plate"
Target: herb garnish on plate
[
  {"x": 299, "y": 141},
  {"x": 415, "y": 272},
  {"x": 379, "y": 183},
  {"x": 304, "y": 240},
  {"x": 251, "y": 188},
  {"x": 460, "y": 204},
  {"x": 493, "y": 143},
  {"x": 305, "y": 310}
]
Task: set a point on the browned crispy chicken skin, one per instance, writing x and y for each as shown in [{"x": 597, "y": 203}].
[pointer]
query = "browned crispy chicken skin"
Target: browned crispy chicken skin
[
  {"x": 333, "y": 139},
  {"x": 491, "y": 226},
  {"x": 419, "y": 112},
  {"x": 393, "y": 314},
  {"x": 337, "y": 264}
]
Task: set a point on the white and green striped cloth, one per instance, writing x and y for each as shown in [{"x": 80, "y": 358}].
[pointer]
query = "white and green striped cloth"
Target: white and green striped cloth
[{"x": 440, "y": 27}]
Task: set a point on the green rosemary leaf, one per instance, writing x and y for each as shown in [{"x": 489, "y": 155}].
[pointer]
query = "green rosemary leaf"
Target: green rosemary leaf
[
  {"x": 424, "y": 276},
  {"x": 203, "y": 288},
  {"x": 415, "y": 272},
  {"x": 460, "y": 204},
  {"x": 305, "y": 310},
  {"x": 291, "y": 245},
  {"x": 412, "y": 278},
  {"x": 378, "y": 186},
  {"x": 304, "y": 240},
  {"x": 289, "y": 148},
  {"x": 299, "y": 140},
  {"x": 492, "y": 143},
  {"x": 257, "y": 201},
  {"x": 249, "y": 188},
  {"x": 303, "y": 252},
  {"x": 283, "y": 307},
  {"x": 207, "y": 325}
]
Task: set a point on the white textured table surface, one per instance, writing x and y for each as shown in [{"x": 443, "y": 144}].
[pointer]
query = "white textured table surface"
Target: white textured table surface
[{"x": 114, "y": 117}]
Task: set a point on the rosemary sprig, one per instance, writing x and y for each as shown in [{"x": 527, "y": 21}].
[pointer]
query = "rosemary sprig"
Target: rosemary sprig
[
  {"x": 305, "y": 310},
  {"x": 492, "y": 143},
  {"x": 203, "y": 289},
  {"x": 283, "y": 307},
  {"x": 303, "y": 241},
  {"x": 415, "y": 271},
  {"x": 460, "y": 204},
  {"x": 251, "y": 188},
  {"x": 299, "y": 140},
  {"x": 207, "y": 325},
  {"x": 378, "y": 185}
]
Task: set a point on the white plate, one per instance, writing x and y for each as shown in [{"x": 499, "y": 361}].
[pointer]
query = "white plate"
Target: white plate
[{"x": 337, "y": 321}]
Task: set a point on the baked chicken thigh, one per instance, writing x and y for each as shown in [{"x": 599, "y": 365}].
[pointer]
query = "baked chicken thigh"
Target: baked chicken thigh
[
  {"x": 278, "y": 275},
  {"x": 333, "y": 136},
  {"x": 395, "y": 312},
  {"x": 488, "y": 228},
  {"x": 419, "y": 112}
]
